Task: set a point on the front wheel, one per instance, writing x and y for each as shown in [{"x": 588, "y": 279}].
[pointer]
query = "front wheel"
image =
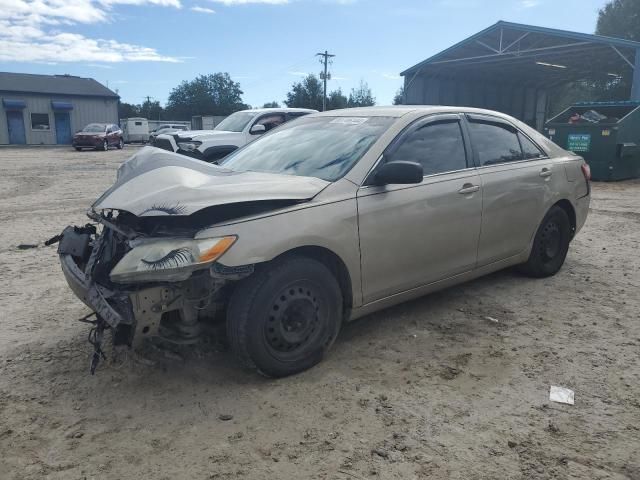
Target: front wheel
[
  {"x": 120, "y": 144},
  {"x": 550, "y": 245},
  {"x": 283, "y": 319},
  {"x": 105, "y": 145}
]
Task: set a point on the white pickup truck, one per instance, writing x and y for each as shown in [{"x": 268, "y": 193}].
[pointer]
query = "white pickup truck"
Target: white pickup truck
[{"x": 233, "y": 132}]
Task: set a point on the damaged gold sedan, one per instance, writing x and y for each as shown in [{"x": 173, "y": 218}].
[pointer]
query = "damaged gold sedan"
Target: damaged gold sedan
[{"x": 323, "y": 220}]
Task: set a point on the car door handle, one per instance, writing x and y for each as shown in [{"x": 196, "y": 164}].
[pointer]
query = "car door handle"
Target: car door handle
[
  {"x": 545, "y": 172},
  {"x": 468, "y": 188}
]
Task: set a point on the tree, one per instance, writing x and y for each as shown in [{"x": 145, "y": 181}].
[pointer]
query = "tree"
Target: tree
[
  {"x": 213, "y": 94},
  {"x": 128, "y": 110},
  {"x": 151, "y": 109},
  {"x": 398, "y": 99},
  {"x": 308, "y": 94},
  {"x": 305, "y": 94},
  {"x": 361, "y": 96},
  {"x": 336, "y": 100},
  {"x": 620, "y": 18},
  {"x": 273, "y": 104}
]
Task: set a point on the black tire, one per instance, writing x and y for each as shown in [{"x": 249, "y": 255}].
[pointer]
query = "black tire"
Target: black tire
[
  {"x": 550, "y": 245},
  {"x": 105, "y": 145},
  {"x": 282, "y": 319},
  {"x": 77, "y": 149},
  {"x": 120, "y": 144}
]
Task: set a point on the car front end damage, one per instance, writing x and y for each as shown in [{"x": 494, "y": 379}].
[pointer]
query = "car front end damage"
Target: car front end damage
[
  {"x": 168, "y": 295},
  {"x": 144, "y": 265}
]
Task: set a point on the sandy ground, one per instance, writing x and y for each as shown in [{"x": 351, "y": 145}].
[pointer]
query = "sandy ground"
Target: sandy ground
[{"x": 429, "y": 389}]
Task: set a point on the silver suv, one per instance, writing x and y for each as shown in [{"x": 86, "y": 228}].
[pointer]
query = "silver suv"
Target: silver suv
[
  {"x": 235, "y": 131},
  {"x": 322, "y": 221}
]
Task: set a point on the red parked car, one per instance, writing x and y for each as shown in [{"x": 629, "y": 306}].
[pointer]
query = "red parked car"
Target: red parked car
[{"x": 100, "y": 136}]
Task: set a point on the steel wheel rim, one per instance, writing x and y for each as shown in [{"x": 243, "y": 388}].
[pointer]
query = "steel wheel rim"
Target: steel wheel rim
[
  {"x": 551, "y": 243},
  {"x": 293, "y": 321}
]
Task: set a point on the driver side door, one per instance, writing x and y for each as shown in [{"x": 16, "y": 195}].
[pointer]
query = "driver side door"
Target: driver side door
[{"x": 413, "y": 235}]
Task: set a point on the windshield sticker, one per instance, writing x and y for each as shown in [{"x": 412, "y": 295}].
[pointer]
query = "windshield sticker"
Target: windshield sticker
[{"x": 349, "y": 120}]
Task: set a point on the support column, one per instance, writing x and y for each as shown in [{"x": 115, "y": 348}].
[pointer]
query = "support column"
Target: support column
[{"x": 635, "y": 86}]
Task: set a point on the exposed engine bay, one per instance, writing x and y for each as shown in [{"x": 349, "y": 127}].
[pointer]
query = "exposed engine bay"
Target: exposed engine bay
[{"x": 170, "y": 310}]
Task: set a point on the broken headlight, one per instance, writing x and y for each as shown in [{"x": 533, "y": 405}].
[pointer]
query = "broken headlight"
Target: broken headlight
[
  {"x": 170, "y": 259},
  {"x": 189, "y": 146}
]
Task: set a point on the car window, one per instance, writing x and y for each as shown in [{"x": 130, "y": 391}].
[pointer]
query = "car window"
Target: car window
[
  {"x": 494, "y": 142},
  {"x": 293, "y": 115},
  {"x": 236, "y": 122},
  {"x": 271, "y": 121},
  {"x": 437, "y": 146},
  {"x": 529, "y": 149}
]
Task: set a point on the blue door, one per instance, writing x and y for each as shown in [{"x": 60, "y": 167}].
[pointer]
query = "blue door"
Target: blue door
[
  {"x": 63, "y": 128},
  {"x": 16, "y": 127}
]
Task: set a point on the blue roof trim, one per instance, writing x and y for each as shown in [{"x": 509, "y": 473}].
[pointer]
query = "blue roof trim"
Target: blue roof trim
[
  {"x": 13, "y": 104},
  {"x": 587, "y": 37},
  {"x": 61, "y": 105}
]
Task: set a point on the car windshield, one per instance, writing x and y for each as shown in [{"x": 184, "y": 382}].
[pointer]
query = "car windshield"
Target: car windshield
[
  {"x": 236, "y": 121},
  {"x": 322, "y": 147},
  {"x": 94, "y": 128}
]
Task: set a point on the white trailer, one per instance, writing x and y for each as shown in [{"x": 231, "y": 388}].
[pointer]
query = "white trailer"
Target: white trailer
[{"x": 135, "y": 130}]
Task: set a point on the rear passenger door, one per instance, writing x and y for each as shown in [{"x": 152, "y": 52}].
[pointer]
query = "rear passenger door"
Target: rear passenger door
[
  {"x": 413, "y": 235},
  {"x": 516, "y": 193}
]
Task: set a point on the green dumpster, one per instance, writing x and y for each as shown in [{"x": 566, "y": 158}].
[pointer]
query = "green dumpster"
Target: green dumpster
[{"x": 606, "y": 134}]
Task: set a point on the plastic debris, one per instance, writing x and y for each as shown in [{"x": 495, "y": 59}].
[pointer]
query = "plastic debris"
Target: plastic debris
[
  {"x": 561, "y": 395},
  {"x": 491, "y": 319}
]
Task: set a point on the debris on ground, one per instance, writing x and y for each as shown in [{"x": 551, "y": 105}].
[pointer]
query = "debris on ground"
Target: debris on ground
[
  {"x": 561, "y": 395},
  {"x": 27, "y": 246}
]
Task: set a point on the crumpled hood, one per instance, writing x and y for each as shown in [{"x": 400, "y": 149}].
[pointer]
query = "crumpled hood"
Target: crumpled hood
[{"x": 156, "y": 182}]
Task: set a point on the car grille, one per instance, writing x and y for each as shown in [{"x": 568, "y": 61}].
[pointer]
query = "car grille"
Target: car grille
[{"x": 163, "y": 143}]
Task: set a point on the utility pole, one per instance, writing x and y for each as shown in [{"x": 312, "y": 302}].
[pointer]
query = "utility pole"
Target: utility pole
[
  {"x": 149, "y": 106},
  {"x": 325, "y": 76}
]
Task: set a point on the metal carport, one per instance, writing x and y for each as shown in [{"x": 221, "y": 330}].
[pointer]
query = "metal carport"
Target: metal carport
[{"x": 511, "y": 68}]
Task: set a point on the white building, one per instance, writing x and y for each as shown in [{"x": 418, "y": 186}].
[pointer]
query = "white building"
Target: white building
[{"x": 48, "y": 109}]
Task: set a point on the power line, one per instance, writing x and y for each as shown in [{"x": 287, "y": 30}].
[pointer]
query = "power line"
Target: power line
[{"x": 325, "y": 76}]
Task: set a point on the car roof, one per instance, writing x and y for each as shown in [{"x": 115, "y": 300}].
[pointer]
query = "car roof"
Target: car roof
[
  {"x": 280, "y": 110},
  {"x": 401, "y": 110}
]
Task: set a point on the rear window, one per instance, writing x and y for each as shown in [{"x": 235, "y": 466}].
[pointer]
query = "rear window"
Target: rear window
[{"x": 494, "y": 142}]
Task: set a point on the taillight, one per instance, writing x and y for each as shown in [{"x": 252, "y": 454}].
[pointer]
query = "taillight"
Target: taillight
[{"x": 586, "y": 171}]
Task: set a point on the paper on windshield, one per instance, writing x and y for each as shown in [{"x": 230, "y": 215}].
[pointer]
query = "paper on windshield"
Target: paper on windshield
[{"x": 349, "y": 120}]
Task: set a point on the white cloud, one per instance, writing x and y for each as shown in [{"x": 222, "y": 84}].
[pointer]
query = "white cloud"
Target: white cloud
[
  {"x": 391, "y": 76},
  {"x": 298, "y": 74},
  {"x": 529, "y": 3},
  {"x": 246, "y": 2},
  {"x": 32, "y": 31},
  {"x": 202, "y": 10}
]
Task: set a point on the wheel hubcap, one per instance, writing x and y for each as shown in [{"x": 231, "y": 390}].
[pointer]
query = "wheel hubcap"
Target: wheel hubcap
[{"x": 293, "y": 320}]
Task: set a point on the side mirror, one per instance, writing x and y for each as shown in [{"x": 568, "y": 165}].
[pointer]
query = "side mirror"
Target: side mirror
[
  {"x": 398, "y": 172},
  {"x": 257, "y": 129}
]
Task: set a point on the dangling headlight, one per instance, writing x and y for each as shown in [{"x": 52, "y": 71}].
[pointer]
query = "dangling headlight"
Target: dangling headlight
[{"x": 170, "y": 259}]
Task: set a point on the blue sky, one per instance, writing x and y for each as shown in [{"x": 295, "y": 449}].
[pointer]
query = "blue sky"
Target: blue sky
[{"x": 146, "y": 47}]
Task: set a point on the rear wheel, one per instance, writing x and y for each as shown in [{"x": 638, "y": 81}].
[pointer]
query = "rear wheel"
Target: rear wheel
[
  {"x": 550, "y": 245},
  {"x": 105, "y": 145},
  {"x": 77, "y": 149},
  {"x": 283, "y": 319}
]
